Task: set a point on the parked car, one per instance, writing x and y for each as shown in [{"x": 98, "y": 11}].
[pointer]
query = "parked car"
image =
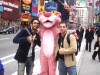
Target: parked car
[
  {"x": 1, "y": 29},
  {"x": 8, "y": 29}
]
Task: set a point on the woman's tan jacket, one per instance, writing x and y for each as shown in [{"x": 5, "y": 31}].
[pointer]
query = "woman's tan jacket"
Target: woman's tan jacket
[{"x": 68, "y": 50}]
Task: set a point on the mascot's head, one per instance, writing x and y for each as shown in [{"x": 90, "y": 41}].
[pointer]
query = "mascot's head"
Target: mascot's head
[{"x": 49, "y": 19}]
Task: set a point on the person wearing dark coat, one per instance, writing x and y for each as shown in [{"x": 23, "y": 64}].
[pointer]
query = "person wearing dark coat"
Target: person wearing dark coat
[
  {"x": 80, "y": 35},
  {"x": 27, "y": 39},
  {"x": 89, "y": 36},
  {"x": 96, "y": 49},
  {"x": 82, "y": 31},
  {"x": 98, "y": 32}
]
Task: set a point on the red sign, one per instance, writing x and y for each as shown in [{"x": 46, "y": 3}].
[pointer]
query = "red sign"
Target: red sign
[
  {"x": 89, "y": 0},
  {"x": 11, "y": 9},
  {"x": 24, "y": 15}
]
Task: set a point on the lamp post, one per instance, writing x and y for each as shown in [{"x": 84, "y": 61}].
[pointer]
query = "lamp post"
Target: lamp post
[{"x": 92, "y": 11}]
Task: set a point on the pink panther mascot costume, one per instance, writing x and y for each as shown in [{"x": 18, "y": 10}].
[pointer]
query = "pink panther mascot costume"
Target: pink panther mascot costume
[{"x": 48, "y": 34}]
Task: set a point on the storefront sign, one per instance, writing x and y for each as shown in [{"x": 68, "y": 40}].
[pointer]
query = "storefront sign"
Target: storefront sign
[
  {"x": 11, "y": 9},
  {"x": 1, "y": 1},
  {"x": 25, "y": 17},
  {"x": 26, "y": 6},
  {"x": 50, "y": 6},
  {"x": 89, "y": 0},
  {"x": 40, "y": 5},
  {"x": 81, "y": 3},
  {"x": 1, "y": 8}
]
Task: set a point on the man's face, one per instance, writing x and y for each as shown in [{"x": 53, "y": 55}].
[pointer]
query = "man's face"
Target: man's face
[
  {"x": 62, "y": 28},
  {"x": 99, "y": 39},
  {"x": 35, "y": 25}
]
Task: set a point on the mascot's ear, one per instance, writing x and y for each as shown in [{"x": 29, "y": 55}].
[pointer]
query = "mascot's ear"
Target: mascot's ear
[
  {"x": 41, "y": 13},
  {"x": 56, "y": 13}
]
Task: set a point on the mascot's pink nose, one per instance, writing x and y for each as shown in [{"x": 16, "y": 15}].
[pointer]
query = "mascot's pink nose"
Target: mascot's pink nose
[{"x": 47, "y": 14}]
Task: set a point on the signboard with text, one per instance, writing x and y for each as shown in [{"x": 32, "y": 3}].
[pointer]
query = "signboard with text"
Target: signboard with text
[
  {"x": 26, "y": 6},
  {"x": 11, "y": 10},
  {"x": 50, "y": 6},
  {"x": 89, "y": 0},
  {"x": 81, "y": 3},
  {"x": 25, "y": 17}
]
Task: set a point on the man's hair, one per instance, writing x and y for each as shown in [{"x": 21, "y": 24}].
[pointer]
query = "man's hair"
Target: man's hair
[
  {"x": 63, "y": 22},
  {"x": 35, "y": 18}
]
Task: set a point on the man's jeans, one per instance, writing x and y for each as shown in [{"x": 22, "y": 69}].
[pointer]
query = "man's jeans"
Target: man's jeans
[
  {"x": 63, "y": 70},
  {"x": 29, "y": 64}
]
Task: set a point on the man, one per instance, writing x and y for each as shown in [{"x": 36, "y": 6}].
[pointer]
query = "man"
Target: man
[
  {"x": 98, "y": 32},
  {"x": 66, "y": 52},
  {"x": 89, "y": 36},
  {"x": 25, "y": 53},
  {"x": 80, "y": 34}
]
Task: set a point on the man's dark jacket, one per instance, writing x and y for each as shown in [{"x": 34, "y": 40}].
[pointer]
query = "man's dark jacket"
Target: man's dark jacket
[
  {"x": 89, "y": 35},
  {"x": 24, "y": 45}
]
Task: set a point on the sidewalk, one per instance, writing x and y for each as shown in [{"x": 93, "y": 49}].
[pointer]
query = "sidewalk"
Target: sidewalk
[{"x": 86, "y": 65}]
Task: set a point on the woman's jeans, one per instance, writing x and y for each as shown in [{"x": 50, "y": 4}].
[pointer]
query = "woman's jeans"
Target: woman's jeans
[
  {"x": 63, "y": 70},
  {"x": 29, "y": 64}
]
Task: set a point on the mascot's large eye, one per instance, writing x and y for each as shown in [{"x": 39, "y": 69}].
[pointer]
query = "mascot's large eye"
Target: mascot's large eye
[
  {"x": 54, "y": 12},
  {"x": 42, "y": 12}
]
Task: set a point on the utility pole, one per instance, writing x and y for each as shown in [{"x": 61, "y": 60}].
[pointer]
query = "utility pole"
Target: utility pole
[{"x": 92, "y": 11}]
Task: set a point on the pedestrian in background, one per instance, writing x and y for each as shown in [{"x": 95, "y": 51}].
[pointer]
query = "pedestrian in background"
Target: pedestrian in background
[
  {"x": 98, "y": 32},
  {"x": 1, "y": 68},
  {"x": 89, "y": 36},
  {"x": 97, "y": 49},
  {"x": 82, "y": 29},
  {"x": 65, "y": 53},
  {"x": 25, "y": 53},
  {"x": 80, "y": 35}
]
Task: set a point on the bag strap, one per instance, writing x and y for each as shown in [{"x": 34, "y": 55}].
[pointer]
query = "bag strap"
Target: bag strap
[
  {"x": 28, "y": 31},
  {"x": 68, "y": 38}
]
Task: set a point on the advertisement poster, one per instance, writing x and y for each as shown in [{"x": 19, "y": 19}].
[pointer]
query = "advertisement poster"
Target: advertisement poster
[
  {"x": 34, "y": 8},
  {"x": 89, "y": 0},
  {"x": 26, "y": 6},
  {"x": 40, "y": 5},
  {"x": 1, "y": 8},
  {"x": 11, "y": 10},
  {"x": 50, "y": 6}
]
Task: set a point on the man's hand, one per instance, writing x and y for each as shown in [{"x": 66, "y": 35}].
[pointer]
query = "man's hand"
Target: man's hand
[
  {"x": 30, "y": 39},
  {"x": 61, "y": 50}
]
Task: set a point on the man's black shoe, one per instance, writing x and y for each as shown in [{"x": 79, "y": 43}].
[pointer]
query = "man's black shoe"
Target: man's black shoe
[{"x": 93, "y": 58}]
